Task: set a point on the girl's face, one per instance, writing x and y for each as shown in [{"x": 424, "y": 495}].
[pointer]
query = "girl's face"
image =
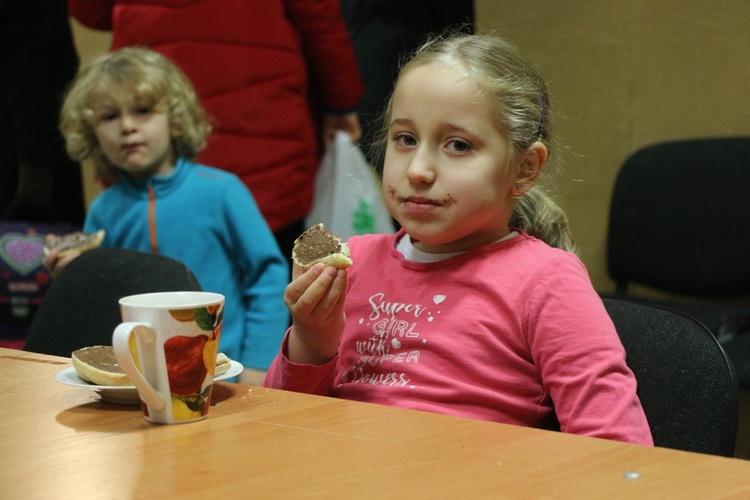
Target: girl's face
[
  {"x": 446, "y": 176},
  {"x": 133, "y": 135}
]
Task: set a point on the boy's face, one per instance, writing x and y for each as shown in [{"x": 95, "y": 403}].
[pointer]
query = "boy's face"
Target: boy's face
[
  {"x": 133, "y": 134},
  {"x": 446, "y": 177}
]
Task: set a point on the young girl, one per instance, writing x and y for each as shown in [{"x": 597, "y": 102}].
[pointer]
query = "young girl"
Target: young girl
[
  {"x": 463, "y": 311},
  {"x": 137, "y": 117}
]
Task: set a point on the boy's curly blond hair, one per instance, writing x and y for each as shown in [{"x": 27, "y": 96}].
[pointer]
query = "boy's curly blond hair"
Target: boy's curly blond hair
[{"x": 152, "y": 79}]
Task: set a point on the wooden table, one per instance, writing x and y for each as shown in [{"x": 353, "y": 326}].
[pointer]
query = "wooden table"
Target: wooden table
[{"x": 60, "y": 441}]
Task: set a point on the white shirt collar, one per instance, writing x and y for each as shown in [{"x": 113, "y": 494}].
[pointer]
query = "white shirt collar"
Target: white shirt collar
[{"x": 411, "y": 253}]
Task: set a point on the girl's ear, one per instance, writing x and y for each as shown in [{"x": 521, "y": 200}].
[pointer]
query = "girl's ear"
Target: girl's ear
[{"x": 530, "y": 164}]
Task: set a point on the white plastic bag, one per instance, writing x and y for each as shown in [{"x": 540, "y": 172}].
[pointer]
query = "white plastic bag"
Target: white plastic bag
[{"x": 347, "y": 197}]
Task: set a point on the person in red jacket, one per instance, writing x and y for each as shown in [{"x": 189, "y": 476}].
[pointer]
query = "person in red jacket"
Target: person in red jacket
[{"x": 278, "y": 77}]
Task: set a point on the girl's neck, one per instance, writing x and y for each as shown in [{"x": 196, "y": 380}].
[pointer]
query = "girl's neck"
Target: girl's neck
[
  {"x": 411, "y": 251},
  {"x": 464, "y": 244}
]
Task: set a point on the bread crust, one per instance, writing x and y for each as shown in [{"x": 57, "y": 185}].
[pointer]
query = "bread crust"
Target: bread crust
[
  {"x": 318, "y": 245},
  {"x": 339, "y": 260}
]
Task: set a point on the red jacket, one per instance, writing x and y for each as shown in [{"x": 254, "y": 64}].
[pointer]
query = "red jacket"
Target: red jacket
[{"x": 254, "y": 65}]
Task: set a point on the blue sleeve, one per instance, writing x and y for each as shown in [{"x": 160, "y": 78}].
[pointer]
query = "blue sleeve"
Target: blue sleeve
[{"x": 266, "y": 276}]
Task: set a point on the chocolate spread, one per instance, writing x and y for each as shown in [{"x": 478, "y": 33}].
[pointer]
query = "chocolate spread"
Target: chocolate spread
[
  {"x": 315, "y": 243},
  {"x": 101, "y": 357}
]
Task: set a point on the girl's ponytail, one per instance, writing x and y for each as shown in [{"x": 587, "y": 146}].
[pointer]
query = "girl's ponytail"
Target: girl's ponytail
[{"x": 538, "y": 214}]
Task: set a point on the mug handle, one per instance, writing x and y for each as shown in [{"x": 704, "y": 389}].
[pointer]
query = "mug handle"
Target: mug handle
[{"x": 121, "y": 345}]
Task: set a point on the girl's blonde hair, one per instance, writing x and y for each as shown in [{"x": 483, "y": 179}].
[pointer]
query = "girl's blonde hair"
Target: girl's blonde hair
[
  {"x": 153, "y": 79},
  {"x": 514, "y": 86}
]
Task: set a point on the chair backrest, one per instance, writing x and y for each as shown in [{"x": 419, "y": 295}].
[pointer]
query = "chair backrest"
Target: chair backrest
[
  {"x": 686, "y": 384},
  {"x": 680, "y": 218},
  {"x": 81, "y": 306}
]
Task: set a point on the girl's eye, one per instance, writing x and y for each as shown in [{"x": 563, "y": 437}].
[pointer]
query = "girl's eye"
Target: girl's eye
[
  {"x": 405, "y": 140},
  {"x": 142, "y": 110},
  {"x": 458, "y": 146}
]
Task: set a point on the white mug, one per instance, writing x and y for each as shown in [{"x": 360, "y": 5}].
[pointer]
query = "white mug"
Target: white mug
[{"x": 167, "y": 346}]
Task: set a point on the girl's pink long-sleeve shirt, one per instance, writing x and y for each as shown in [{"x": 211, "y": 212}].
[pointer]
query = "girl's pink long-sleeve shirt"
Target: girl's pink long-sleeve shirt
[{"x": 511, "y": 332}]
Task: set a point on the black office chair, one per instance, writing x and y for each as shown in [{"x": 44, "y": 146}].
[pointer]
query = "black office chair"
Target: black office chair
[
  {"x": 686, "y": 384},
  {"x": 680, "y": 222},
  {"x": 81, "y": 306}
]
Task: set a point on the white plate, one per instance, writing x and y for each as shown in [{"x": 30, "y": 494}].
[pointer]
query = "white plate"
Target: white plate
[{"x": 126, "y": 394}]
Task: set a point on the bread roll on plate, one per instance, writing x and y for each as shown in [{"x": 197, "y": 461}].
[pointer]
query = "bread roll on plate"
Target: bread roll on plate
[
  {"x": 98, "y": 365},
  {"x": 222, "y": 364}
]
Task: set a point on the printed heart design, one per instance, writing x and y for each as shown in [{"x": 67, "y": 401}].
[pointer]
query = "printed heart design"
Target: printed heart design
[
  {"x": 22, "y": 252},
  {"x": 437, "y": 299},
  {"x": 395, "y": 343}
]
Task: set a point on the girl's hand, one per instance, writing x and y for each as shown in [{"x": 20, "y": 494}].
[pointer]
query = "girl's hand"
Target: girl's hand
[
  {"x": 316, "y": 300},
  {"x": 54, "y": 264}
]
